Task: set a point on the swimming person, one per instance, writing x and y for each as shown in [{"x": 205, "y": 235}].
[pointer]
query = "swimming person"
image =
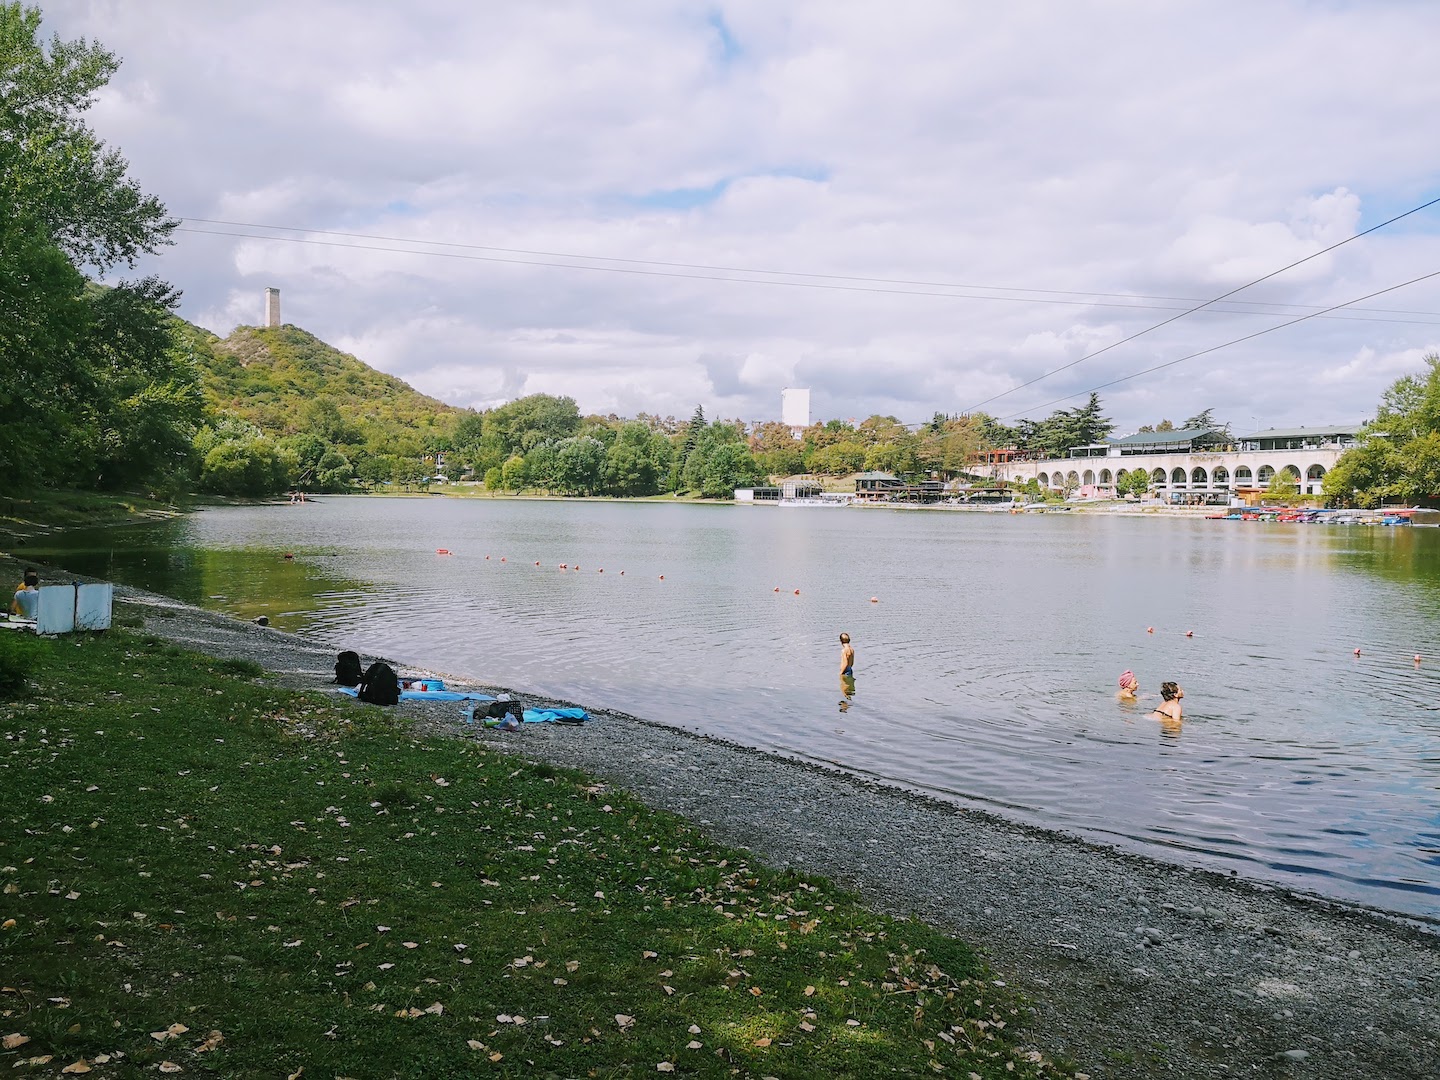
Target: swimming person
[
  {"x": 1169, "y": 708},
  {"x": 1129, "y": 685},
  {"x": 847, "y": 656}
]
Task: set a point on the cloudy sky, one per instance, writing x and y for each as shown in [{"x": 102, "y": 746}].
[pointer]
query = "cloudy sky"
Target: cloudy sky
[{"x": 908, "y": 207}]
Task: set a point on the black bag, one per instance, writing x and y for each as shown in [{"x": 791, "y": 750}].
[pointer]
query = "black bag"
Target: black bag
[
  {"x": 379, "y": 686},
  {"x": 347, "y": 669}
]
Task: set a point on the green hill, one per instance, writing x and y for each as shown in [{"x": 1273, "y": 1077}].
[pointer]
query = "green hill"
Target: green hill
[{"x": 286, "y": 381}]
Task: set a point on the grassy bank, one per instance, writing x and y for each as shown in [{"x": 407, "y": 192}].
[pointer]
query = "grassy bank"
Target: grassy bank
[{"x": 204, "y": 874}]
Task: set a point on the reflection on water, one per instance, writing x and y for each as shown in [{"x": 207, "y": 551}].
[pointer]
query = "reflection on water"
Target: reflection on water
[{"x": 989, "y": 661}]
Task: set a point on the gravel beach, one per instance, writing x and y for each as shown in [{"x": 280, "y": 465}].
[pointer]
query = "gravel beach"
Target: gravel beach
[{"x": 1134, "y": 967}]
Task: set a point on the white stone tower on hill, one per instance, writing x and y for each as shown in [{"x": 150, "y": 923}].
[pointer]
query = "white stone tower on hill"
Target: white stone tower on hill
[{"x": 272, "y": 307}]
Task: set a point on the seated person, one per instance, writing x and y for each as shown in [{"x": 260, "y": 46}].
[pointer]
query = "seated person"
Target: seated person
[
  {"x": 26, "y": 603},
  {"x": 1169, "y": 707}
]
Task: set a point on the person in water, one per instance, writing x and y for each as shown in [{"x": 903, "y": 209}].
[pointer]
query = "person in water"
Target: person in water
[
  {"x": 1169, "y": 707},
  {"x": 1129, "y": 686},
  {"x": 847, "y": 656}
]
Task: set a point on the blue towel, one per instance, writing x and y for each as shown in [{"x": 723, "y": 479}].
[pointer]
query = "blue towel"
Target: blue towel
[
  {"x": 427, "y": 695},
  {"x": 545, "y": 716}
]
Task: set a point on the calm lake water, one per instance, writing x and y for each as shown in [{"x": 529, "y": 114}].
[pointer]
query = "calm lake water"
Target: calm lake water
[{"x": 986, "y": 670}]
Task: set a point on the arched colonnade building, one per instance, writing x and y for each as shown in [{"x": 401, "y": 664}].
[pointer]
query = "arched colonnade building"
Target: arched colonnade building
[{"x": 1192, "y": 461}]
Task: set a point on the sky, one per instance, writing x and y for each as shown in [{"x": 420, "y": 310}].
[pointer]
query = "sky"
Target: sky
[{"x": 911, "y": 207}]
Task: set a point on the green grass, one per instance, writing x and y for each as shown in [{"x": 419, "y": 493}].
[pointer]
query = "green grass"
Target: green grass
[{"x": 181, "y": 844}]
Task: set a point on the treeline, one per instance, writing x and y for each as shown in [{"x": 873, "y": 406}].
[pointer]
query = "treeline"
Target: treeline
[{"x": 1399, "y": 457}]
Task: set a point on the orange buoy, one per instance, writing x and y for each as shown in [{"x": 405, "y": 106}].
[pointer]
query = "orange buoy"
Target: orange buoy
[
  {"x": 1417, "y": 658},
  {"x": 797, "y": 592},
  {"x": 874, "y": 599},
  {"x": 1149, "y": 629},
  {"x": 577, "y": 566},
  {"x": 502, "y": 558},
  {"x": 1357, "y": 652},
  {"x": 1189, "y": 633},
  {"x": 487, "y": 557},
  {"x": 601, "y": 570},
  {"x": 537, "y": 562},
  {"x": 622, "y": 573},
  {"x": 662, "y": 577},
  {"x": 563, "y": 566},
  {"x": 777, "y": 588},
  {"x": 442, "y": 551}
]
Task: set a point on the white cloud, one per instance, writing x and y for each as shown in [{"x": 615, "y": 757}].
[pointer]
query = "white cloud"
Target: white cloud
[{"x": 1166, "y": 153}]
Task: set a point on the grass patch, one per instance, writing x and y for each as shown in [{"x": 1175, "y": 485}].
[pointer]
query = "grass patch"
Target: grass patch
[{"x": 203, "y": 870}]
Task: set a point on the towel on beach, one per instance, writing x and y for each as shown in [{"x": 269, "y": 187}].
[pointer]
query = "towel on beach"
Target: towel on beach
[
  {"x": 546, "y": 716},
  {"x": 427, "y": 695}
]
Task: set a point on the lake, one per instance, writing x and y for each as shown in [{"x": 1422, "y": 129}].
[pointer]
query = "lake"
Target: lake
[{"x": 986, "y": 662}]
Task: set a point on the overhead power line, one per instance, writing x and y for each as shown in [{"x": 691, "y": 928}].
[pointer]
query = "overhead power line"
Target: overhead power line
[
  {"x": 1209, "y": 303},
  {"x": 821, "y": 282},
  {"x": 1225, "y": 345}
]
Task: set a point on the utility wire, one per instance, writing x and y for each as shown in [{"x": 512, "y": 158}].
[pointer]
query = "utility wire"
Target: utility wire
[
  {"x": 1208, "y": 303},
  {"x": 820, "y": 285},
  {"x": 1226, "y": 345}
]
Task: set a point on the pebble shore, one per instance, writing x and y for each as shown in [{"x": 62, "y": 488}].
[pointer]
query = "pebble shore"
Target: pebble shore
[{"x": 1134, "y": 968}]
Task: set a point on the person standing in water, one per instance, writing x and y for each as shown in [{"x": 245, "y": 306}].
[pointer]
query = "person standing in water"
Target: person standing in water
[
  {"x": 847, "y": 656},
  {"x": 1169, "y": 707},
  {"x": 1129, "y": 686}
]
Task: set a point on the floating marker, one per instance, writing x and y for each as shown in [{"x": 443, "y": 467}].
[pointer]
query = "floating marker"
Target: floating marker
[
  {"x": 537, "y": 562},
  {"x": 442, "y": 551},
  {"x": 777, "y": 588},
  {"x": 1149, "y": 629},
  {"x": 577, "y": 566},
  {"x": 874, "y": 599},
  {"x": 622, "y": 573},
  {"x": 1189, "y": 633},
  {"x": 797, "y": 592},
  {"x": 601, "y": 570},
  {"x": 662, "y": 577},
  {"x": 502, "y": 558},
  {"x": 1417, "y": 658},
  {"x": 563, "y": 566},
  {"x": 1357, "y": 652},
  {"x": 487, "y": 557}
]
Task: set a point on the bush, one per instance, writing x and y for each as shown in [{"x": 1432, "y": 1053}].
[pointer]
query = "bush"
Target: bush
[{"x": 18, "y": 655}]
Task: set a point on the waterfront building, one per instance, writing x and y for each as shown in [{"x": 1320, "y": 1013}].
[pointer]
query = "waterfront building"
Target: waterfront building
[{"x": 1203, "y": 462}]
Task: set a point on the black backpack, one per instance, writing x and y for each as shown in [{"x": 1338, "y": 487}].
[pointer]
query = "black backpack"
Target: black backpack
[
  {"x": 379, "y": 686},
  {"x": 347, "y": 669}
]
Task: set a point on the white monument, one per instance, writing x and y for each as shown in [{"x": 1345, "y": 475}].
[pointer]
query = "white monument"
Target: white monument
[
  {"x": 795, "y": 409},
  {"x": 272, "y": 307}
]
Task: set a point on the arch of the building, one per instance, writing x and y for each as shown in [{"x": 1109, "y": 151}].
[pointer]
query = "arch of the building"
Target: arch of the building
[
  {"x": 1177, "y": 476},
  {"x": 1072, "y": 477},
  {"x": 1315, "y": 472},
  {"x": 1243, "y": 475},
  {"x": 1121, "y": 475},
  {"x": 1221, "y": 476},
  {"x": 1043, "y": 479},
  {"x": 1158, "y": 476},
  {"x": 1198, "y": 477},
  {"x": 1089, "y": 477},
  {"x": 1265, "y": 475},
  {"x": 1105, "y": 477}
]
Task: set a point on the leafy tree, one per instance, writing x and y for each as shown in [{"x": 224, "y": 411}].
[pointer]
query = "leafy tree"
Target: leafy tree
[
  {"x": 513, "y": 473},
  {"x": 1204, "y": 419},
  {"x": 630, "y": 465},
  {"x": 578, "y": 465},
  {"x": 1400, "y": 457},
  {"x": 494, "y": 479},
  {"x": 237, "y": 459},
  {"x": 76, "y": 402},
  {"x": 1089, "y": 425},
  {"x": 1165, "y": 425},
  {"x": 1135, "y": 482}
]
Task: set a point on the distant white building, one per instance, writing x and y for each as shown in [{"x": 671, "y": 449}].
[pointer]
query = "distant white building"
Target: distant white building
[{"x": 795, "y": 409}]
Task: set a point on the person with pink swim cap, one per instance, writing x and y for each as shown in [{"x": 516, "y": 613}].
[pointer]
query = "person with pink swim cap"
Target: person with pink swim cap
[{"x": 1129, "y": 686}]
